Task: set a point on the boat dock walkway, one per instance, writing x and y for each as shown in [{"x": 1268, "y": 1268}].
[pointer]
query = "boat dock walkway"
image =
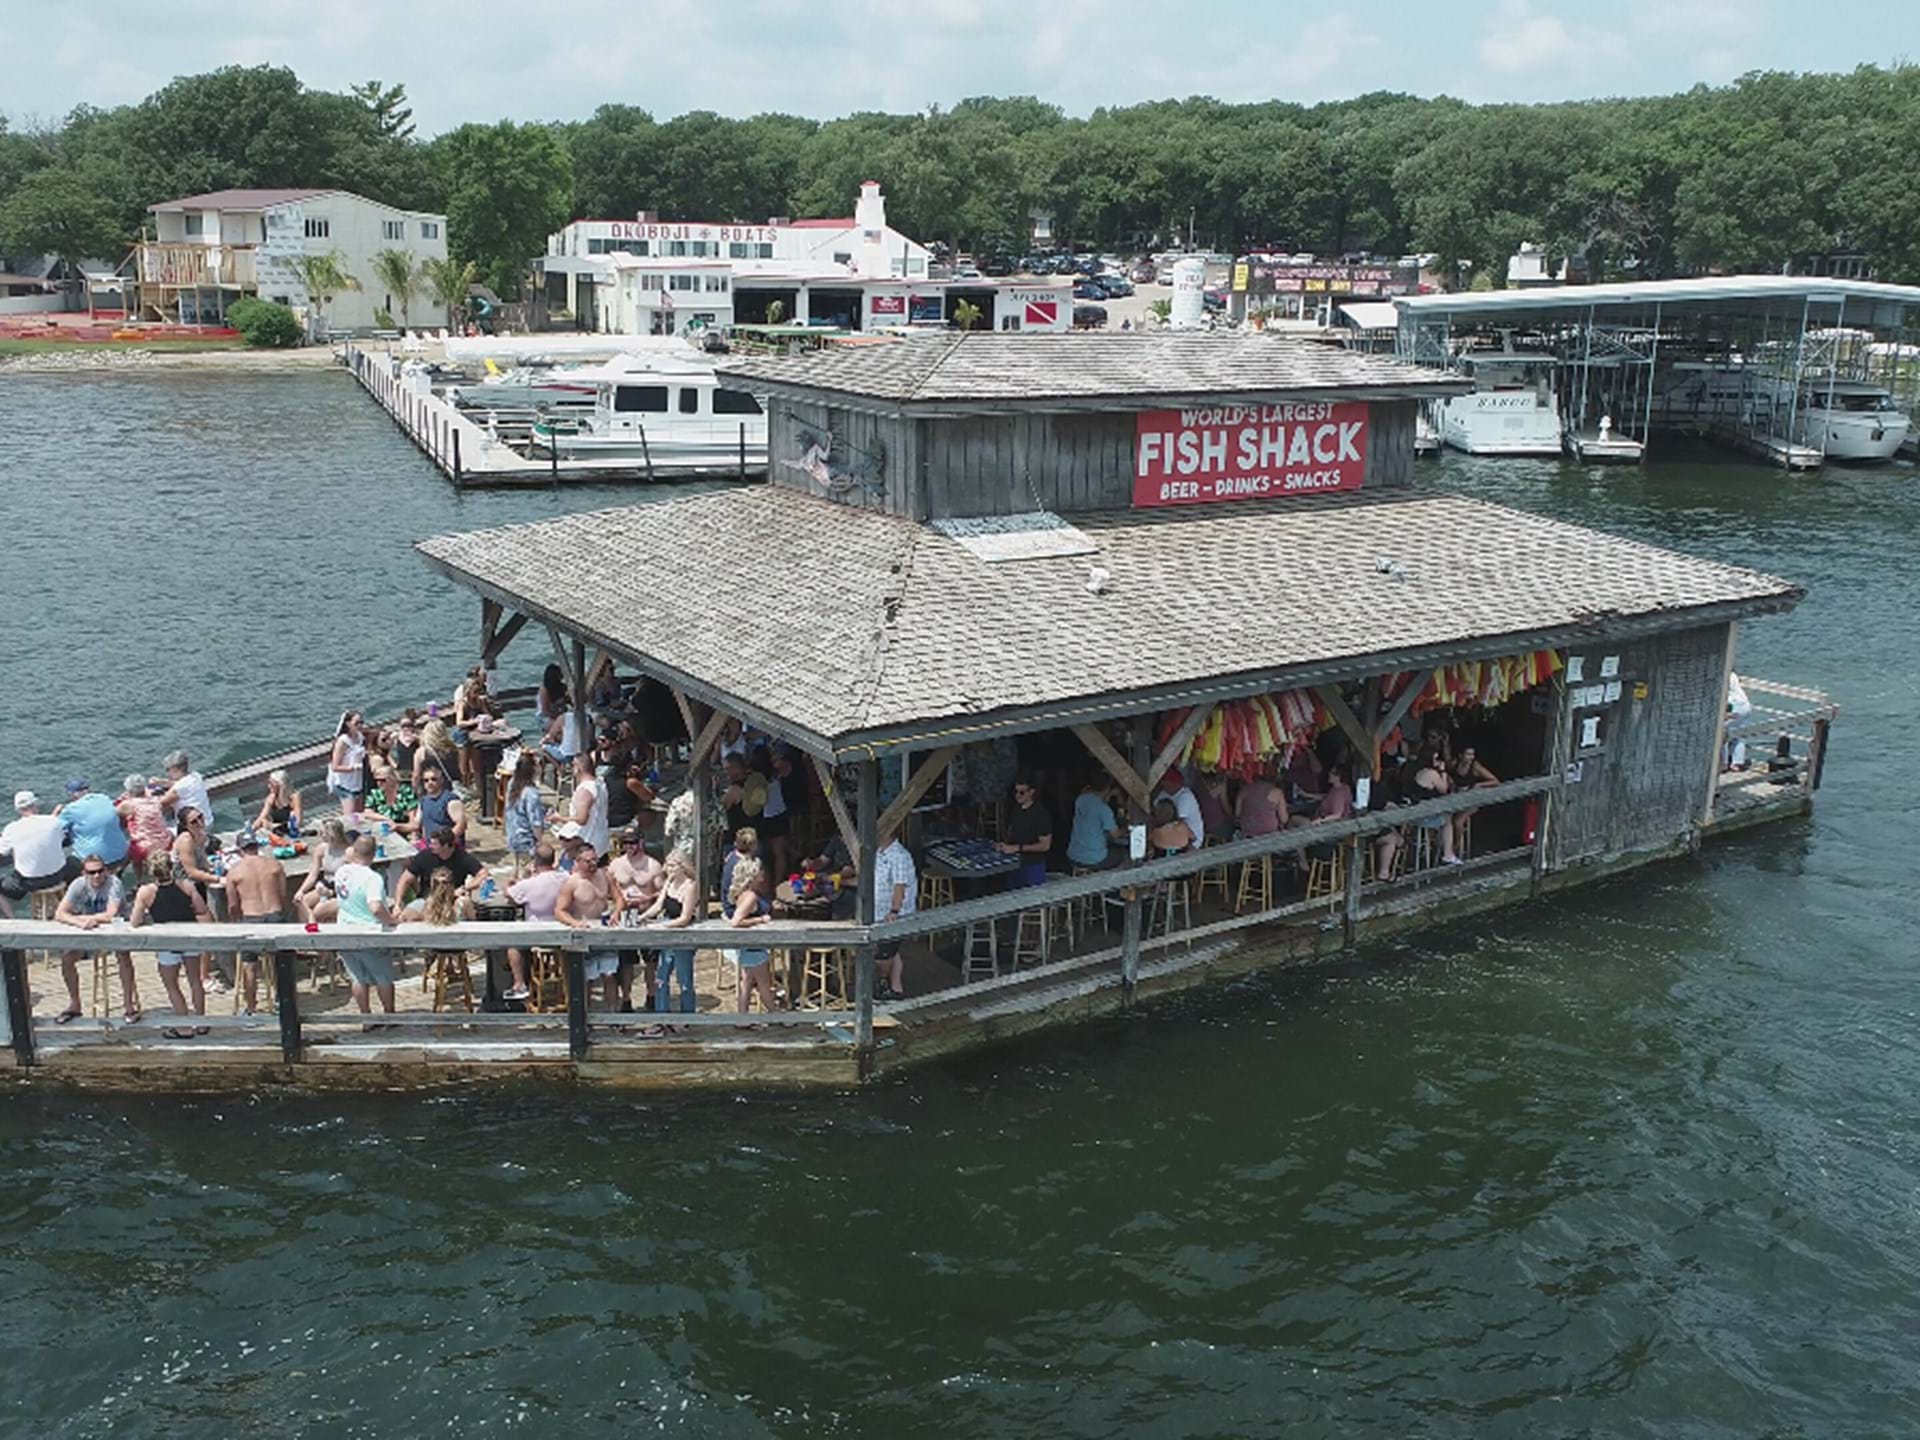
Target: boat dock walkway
[
  {"x": 1770, "y": 448},
  {"x": 474, "y": 458}
]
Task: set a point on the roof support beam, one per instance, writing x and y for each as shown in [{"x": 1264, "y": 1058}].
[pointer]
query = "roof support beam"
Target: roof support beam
[
  {"x": 1402, "y": 703},
  {"x": 918, "y": 784},
  {"x": 1358, "y": 735},
  {"x": 702, "y": 731},
  {"x": 496, "y": 637},
  {"x": 842, "y": 817},
  {"x": 1102, "y": 750},
  {"x": 1170, "y": 751}
]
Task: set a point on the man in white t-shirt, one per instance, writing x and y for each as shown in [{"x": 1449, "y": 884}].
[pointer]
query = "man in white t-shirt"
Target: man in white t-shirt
[
  {"x": 188, "y": 790},
  {"x": 1186, "y": 805},
  {"x": 37, "y": 846},
  {"x": 588, "y": 808},
  {"x": 896, "y": 893}
]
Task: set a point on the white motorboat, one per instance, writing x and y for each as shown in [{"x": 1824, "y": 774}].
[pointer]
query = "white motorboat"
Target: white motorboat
[
  {"x": 672, "y": 419},
  {"x": 1851, "y": 420},
  {"x": 537, "y": 385},
  {"x": 1512, "y": 410}
]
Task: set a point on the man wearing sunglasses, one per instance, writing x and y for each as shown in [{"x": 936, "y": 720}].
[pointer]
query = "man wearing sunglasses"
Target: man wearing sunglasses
[{"x": 92, "y": 900}]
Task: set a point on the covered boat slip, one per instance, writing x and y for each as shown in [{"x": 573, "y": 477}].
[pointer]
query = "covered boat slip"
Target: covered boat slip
[{"x": 1755, "y": 361}]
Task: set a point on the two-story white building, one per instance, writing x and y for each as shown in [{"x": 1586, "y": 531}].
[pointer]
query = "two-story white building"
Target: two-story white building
[{"x": 211, "y": 250}]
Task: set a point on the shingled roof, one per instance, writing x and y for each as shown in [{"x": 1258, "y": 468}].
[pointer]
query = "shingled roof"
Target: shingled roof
[
  {"x": 841, "y": 626},
  {"x": 1014, "y": 369}
]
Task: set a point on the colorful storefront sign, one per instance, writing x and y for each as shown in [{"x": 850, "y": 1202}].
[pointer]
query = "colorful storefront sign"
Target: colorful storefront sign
[{"x": 1248, "y": 452}]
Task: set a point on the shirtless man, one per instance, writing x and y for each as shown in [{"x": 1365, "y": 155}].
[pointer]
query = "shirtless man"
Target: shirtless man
[
  {"x": 256, "y": 891},
  {"x": 587, "y": 900},
  {"x": 639, "y": 877}
]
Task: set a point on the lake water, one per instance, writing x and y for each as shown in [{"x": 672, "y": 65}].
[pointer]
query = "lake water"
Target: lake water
[{"x": 1642, "y": 1159}]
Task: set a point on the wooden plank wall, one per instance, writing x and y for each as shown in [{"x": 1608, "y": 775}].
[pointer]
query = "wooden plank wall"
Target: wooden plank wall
[
  {"x": 1007, "y": 464},
  {"x": 788, "y": 424},
  {"x": 1643, "y": 787},
  {"x": 1390, "y": 445}
]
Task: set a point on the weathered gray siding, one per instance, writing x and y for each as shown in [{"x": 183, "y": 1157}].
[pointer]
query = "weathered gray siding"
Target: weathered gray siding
[
  {"x": 870, "y": 459},
  {"x": 1390, "y": 445},
  {"x": 1005, "y": 464},
  {"x": 1647, "y": 782}
]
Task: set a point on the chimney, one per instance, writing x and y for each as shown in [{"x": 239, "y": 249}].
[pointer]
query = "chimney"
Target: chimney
[
  {"x": 647, "y": 217},
  {"x": 870, "y": 219}
]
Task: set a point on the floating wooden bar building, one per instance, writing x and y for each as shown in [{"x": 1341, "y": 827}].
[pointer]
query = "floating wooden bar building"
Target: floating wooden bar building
[{"x": 1065, "y": 540}]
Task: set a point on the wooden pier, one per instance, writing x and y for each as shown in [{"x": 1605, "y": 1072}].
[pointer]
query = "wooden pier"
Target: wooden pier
[{"x": 474, "y": 458}]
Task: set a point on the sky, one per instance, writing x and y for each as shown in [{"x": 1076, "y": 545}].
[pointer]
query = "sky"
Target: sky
[{"x": 489, "y": 60}]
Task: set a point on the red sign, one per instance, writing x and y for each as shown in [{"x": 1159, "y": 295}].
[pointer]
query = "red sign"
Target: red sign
[
  {"x": 1248, "y": 452},
  {"x": 1042, "y": 312},
  {"x": 889, "y": 305}
]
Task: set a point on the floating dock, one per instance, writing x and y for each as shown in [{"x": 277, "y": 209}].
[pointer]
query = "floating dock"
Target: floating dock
[
  {"x": 1589, "y": 447},
  {"x": 476, "y": 458}
]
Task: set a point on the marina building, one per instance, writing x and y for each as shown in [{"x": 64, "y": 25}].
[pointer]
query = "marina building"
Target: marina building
[
  {"x": 652, "y": 277},
  {"x": 210, "y": 250}
]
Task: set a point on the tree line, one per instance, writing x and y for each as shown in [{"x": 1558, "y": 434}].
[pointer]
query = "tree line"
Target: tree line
[{"x": 1753, "y": 176}]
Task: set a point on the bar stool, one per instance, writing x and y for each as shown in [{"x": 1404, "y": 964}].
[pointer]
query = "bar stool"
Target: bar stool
[
  {"x": 1169, "y": 896},
  {"x": 1256, "y": 885},
  {"x": 981, "y": 950},
  {"x": 1214, "y": 879},
  {"x": 1463, "y": 835},
  {"x": 822, "y": 971},
  {"x": 268, "y": 994},
  {"x": 1030, "y": 937},
  {"x": 1326, "y": 877},
  {"x": 1060, "y": 920},
  {"x": 547, "y": 979},
  {"x": 447, "y": 970},
  {"x": 45, "y": 902},
  {"x": 935, "y": 890}
]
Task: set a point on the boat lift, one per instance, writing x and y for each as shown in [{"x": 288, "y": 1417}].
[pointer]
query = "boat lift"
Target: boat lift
[{"x": 1731, "y": 357}]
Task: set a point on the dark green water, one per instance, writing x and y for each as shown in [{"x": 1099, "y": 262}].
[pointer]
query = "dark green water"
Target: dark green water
[{"x": 1644, "y": 1160}]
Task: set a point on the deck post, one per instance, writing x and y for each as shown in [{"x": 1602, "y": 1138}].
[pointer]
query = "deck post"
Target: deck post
[
  {"x": 13, "y": 970},
  {"x": 866, "y": 822},
  {"x": 743, "y": 449},
  {"x": 1140, "y": 739},
  {"x": 577, "y": 1003},
  {"x": 456, "y": 455},
  {"x": 1720, "y": 729},
  {"x": 1817, "y": 761},
  {"x": 1559, "y": 740},
  {"x": 1356, "y": 867},
  {"x": 286, "y": 989}
]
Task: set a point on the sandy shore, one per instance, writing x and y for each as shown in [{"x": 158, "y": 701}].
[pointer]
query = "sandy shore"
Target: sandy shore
[{"x": 267, "y": 362}]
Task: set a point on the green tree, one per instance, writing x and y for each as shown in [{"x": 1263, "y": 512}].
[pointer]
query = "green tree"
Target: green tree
[
  {"x": 388, "y": 106},
  {"x": 324, "y": 276},
  {"x": 59, "y": 212},
  {"x": 508, "y": 187},
  {"x": 396, "y": 273},
  {"x": 450, "y": 282},
  {"x": 966, "y": 315}
]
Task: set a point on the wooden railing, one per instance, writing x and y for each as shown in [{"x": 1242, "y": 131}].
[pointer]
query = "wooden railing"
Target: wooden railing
[{"x": 191, "y": 263}]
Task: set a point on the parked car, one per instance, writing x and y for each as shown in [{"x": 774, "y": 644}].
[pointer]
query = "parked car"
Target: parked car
[
  {"x": 996, "y": 265},
  {"x": 1116, "y": 286},
  {"x": 968, "y": 272},
  {"x": 1214, "y": 299},
  {"x": 1088, "y": 288},
  {"x": 1089, "y": 317},
  {"x": 1143, "y": 274}
]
